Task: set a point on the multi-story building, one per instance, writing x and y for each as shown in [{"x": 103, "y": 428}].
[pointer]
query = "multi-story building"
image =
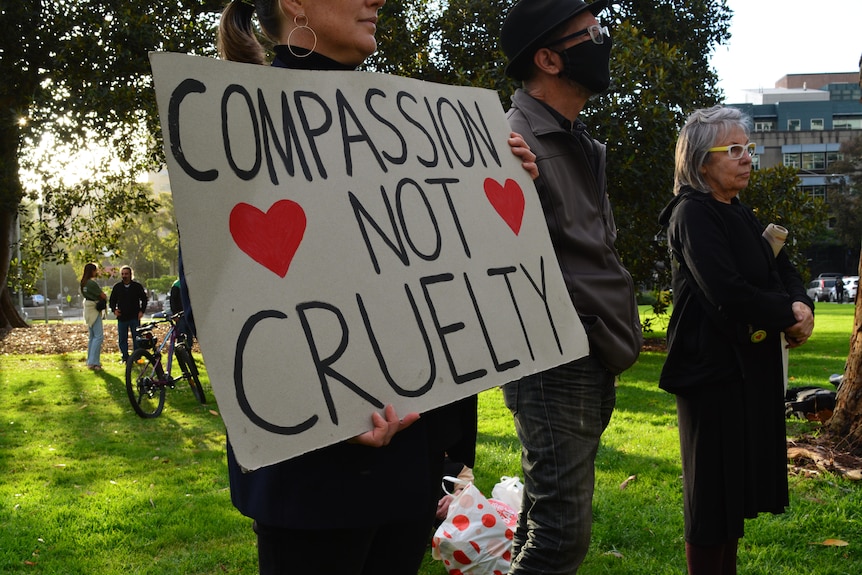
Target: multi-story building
[{"x": 802, "y": 123}]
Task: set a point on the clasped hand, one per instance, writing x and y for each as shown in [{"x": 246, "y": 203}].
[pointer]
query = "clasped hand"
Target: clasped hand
[{"x": 798, "y": 333}]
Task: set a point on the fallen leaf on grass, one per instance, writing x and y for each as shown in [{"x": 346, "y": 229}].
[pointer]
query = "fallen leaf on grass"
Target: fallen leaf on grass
[
  {"x": 214, "y": 412},
  {"x": 625, "y": 483},
  {"x": 615, "y": 553},
  {"x": 831, "y": 543}
]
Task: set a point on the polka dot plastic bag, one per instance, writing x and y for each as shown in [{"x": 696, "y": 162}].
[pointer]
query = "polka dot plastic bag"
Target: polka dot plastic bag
[{"x": 476, "y": 537}]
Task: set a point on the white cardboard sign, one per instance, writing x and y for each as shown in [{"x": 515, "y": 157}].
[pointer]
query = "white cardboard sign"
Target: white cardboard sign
[{"x": 353, "y": 240}]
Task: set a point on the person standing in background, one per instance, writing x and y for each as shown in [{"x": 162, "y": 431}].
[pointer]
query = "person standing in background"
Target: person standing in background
[
  {"x": 561, "y": 53},
  {"x": 128, "y": 302},
  {"x": 733, "y": 296},
  {"x": 93, "y": 294}
]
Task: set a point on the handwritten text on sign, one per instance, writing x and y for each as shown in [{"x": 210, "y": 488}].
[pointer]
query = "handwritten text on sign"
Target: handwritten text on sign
[{"x": 353, "y": 240}]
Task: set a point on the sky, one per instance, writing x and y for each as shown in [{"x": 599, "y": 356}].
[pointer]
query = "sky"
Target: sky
[{"x": 772, "y": 38}]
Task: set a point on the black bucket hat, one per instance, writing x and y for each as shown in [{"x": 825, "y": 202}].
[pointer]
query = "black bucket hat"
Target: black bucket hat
[{"x": 529, "y": 21}]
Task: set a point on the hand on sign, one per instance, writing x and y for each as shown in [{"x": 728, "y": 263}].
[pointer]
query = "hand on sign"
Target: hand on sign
[
  {"x": 384, "y": 429},
  {"x": 522, "y": 150}
]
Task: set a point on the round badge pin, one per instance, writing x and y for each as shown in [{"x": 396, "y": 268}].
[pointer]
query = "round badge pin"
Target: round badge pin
[{"x": 758, "y": 336}]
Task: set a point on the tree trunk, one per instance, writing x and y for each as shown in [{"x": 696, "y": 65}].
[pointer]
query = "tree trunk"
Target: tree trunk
[
  {"x": 9, "y": 316},
  {"x": 845, "y": 425},
  {"x": 10, "y": 197}
]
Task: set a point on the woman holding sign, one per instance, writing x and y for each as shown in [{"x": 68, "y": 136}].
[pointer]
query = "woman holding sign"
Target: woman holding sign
[{"x": 366, "y": 505}]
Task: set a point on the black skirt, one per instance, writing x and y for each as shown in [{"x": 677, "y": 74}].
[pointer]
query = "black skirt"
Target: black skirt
[{"x": 734, "y": 448}]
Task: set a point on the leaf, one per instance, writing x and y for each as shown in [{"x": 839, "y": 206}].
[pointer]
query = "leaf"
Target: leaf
[
  {"x": 614, "y": 553},
  {"x": 214, "y": 412},
  {"x": 628, "y": 480},
  {"x": 831, "y": 543}
]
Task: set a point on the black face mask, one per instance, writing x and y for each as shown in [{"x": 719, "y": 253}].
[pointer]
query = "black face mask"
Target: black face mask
[{"x": 588, "y": 64}]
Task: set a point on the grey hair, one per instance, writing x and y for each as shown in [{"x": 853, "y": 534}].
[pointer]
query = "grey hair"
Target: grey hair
[{"x": 701, "y": 131}]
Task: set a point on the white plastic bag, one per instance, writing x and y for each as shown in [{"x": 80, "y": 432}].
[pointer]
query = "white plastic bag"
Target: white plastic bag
[
  {"x": 476, "y": 537},
  {"x": 510, "y": 491}
]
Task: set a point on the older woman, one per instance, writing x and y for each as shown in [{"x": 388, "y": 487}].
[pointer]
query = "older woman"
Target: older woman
[
  {"x": 732, "y": 300},
  {"x": 93, "y": 293}
]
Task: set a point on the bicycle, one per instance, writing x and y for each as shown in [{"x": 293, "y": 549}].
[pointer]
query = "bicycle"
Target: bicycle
[{"x": 146, "y": 377}]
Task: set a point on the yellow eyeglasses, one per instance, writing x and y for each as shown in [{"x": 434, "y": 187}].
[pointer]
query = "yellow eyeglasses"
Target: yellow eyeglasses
[{"x": 736, "y": 151}]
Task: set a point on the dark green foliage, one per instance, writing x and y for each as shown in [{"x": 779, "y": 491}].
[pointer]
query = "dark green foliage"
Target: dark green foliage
[
  {"x": 77, "y": 73},
  {"x": 775, "y": 198}
]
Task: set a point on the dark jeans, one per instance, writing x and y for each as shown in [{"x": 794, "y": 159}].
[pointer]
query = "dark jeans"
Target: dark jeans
[
  {"x": 395, "y": 549},
  {"x": 560, "y": 415},
  {"x": 123, "y": 328}
]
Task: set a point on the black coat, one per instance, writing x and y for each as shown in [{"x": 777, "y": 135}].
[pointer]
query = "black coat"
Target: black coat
[
  {"x": 732, "y": 299},
  {"x": 129, "y": 299},
  {"x": 728, "y": 288}
]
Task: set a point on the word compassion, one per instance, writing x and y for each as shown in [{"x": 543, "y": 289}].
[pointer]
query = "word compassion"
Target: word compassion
[{"x": 451, "y": 132}]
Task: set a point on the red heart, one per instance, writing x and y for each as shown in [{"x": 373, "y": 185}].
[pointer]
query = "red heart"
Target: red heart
[
  {"x": 272, "y": 238},
  {"x": 508, "y": 200}
]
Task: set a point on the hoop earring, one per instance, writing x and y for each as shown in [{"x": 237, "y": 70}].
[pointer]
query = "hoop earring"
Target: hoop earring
[{"x": 296, "y": 22}]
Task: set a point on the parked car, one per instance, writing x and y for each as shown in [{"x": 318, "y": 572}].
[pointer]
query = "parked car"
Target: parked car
[
  {"x": 153, "y": 306},
  {"x": 37, "y": 299},
  {"x": 822, "y": 289},
  {"x": 166, "y": 309},
  {"x": 851, "y": 283}
]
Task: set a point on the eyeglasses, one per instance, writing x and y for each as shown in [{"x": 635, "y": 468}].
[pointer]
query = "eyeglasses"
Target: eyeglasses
[
  {"x": 736, "y": 151},
  {"x": 597, "y": 34}
]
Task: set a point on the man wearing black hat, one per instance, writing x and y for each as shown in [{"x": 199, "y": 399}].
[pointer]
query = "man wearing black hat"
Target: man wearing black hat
[{"x": 560, "y": 52}]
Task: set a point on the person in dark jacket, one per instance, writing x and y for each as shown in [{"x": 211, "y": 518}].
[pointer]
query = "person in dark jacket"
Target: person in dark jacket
[
  {"x": 128, "y": 302},
  {"x": 733, "y": 297},
  {"x": 561, "y": 53},
  {"x": 364, "y": 506}
]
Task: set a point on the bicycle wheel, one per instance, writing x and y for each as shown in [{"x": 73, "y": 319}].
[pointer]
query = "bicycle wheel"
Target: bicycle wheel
[
  {"x": 190, "y": 371},
  {"x": 143, "y": 374}
]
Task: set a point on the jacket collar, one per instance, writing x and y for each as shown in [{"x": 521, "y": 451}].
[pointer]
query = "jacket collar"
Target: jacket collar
[{"x": 542, "y": 118}]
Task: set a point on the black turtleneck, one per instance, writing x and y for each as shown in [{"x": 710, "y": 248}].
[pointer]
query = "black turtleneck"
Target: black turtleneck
[{"x": 314, "y": 61}]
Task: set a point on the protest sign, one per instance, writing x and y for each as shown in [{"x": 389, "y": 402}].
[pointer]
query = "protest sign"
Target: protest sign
[{"x": 353, "y": 240}]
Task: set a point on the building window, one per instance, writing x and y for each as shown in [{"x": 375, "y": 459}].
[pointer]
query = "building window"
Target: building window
[
  {"x": 764, "y": 126},
  {"x": 815, "y": 191},
  {"x": 813, "y": 161},
  {"x": 791, "y": 160},
  {"x": 816, "y": 123},
  {"x": 832, "y": 157},
  {"x": 794, "y": 125},
  {"x": 846, "y": 123}
]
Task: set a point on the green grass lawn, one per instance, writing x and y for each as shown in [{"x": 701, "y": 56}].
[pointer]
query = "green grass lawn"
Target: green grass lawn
[{"x": 90, "y": 488}]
